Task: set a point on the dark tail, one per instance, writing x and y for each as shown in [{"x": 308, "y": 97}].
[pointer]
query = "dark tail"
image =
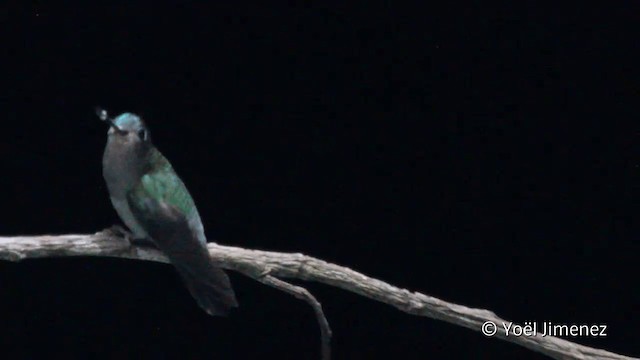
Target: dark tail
[{"x": 209, "y": 285}]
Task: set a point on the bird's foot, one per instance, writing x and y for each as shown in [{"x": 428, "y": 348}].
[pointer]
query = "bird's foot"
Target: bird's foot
[
  {"x": 118, "y": 231},
  {"x": 121, "y": 232}
]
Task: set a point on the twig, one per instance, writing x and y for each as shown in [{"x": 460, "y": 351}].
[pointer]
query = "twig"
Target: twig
[
  {"x": 303, "y": 294},
  {"x": 254, "y": 263}
]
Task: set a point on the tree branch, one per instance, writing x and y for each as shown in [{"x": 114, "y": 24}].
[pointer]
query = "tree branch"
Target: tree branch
[{"x": 267, "y": 266}]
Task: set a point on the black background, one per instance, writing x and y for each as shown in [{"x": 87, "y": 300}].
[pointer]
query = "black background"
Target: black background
[{"x": 484, "y": 154}]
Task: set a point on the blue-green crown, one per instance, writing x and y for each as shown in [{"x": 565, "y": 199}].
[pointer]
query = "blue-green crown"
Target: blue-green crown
[{"x": 128, "y": 121}]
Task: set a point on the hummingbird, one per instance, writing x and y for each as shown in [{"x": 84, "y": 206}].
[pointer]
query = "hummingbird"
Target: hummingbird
[{"x": 156, "y": 206}]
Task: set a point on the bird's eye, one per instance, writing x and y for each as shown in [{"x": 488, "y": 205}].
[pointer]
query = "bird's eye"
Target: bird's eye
[{"x": 142, "y": 134}]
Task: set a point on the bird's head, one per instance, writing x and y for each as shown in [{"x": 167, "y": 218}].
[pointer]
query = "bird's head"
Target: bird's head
[{"x": 129, "y": 128}]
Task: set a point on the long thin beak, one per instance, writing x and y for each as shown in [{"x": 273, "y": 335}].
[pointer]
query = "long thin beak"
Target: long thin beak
[{"x": 102, "y": 114}]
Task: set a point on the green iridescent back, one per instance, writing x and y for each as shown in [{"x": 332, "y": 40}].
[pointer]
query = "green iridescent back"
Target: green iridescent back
[{"x": 160, "y": 182}]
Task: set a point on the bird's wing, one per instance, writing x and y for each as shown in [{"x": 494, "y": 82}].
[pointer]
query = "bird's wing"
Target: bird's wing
[
  {"x": 160, "y": 210},
  {"x": 161, "y": 203},
  {"x": 164, "y": 185}
]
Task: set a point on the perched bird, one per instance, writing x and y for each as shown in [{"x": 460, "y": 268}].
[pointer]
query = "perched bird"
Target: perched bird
[{"x": 156, "y": 206}]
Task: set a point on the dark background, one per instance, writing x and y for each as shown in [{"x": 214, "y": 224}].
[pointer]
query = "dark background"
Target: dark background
[{"x": 484, "y": 154}]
